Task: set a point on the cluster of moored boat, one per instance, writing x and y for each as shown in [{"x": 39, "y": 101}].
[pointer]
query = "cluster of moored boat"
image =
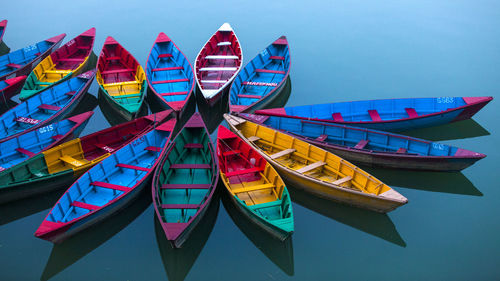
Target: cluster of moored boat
[{"x": 309, "y": 146}]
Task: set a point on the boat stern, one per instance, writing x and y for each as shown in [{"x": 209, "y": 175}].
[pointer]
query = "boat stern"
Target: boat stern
[{"x": 473, "y": 105}]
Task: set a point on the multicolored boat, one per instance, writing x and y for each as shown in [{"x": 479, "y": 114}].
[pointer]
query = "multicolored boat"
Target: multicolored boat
[
  {"x": 169, "y": 74},
  {"x": 10, "y": 87},
  {"x": 61, "y": 165},
  {"x": 107, "y": 187},
  {"x": 254, "y": 186},
  {"x": 217, "y": 64},
  {"x": 185, "y": 181},
  {"x": 21, "y": 62},
  {"x": 121, "y": 79},
  {"x": 315, "y": 170},
  {"x": 25, "y": 146},
  {"x": 262, "y": 79},
  {"x": 66, "y": 62},
  {"x": 371, "y": 147},
  {"x": 388, "y": 114},
  {"x": 49, "y": 106}
]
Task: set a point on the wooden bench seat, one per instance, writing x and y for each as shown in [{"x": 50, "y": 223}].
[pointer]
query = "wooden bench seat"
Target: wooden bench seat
[
  {"x": 282, "y": 153},
  {"x": 311, "y": 167}
]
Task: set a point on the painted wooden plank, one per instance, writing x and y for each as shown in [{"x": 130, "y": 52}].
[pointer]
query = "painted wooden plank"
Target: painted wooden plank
[
  {"x": 253, "y": 138},
  {"x": 342, "y": 180},
  {"x": 111, "y": 186},
  {"x": 190, "y": 166},
  {"x": 243, "y": 172},
  {"x": 72, "y": 161},
  {"x": 185, "y": 186},
  {"x": 311, "y": 167},
  {"x": 85, "y": 205},
  {"x": 282, "y": 153},
  {"x": 253, "y": 188},
  {"x": 361, "y": 144},
  {"x": 126, "y": 166}
]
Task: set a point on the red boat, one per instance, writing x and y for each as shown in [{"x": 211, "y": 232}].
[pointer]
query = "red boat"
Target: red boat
[{"x": 217, "y": 64}]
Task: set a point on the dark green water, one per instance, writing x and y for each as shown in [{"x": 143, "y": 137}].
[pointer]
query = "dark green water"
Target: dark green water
[{"x": 341, "y": 50}]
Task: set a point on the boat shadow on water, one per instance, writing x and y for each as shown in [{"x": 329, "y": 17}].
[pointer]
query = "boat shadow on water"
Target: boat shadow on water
[
  {"x": 88, "y": 103},
  {"x": 373, "y": 223},
  {"x": 26, "y": 207},
  {"x": 4, "y": 49},
  {"x": 446, "y": 182},
  {"x": 179, "y": 261},
  {"x": 279, "y": 252},
  {"x": 456, "y": 130},
  {"x": 70, "y": 251}
]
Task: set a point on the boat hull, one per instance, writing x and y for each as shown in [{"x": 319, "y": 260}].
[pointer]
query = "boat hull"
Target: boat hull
[
  {"x": 257, "y": 221},
  {"x": 117, "y": 113},
  {"x": 263, "y": 103}
]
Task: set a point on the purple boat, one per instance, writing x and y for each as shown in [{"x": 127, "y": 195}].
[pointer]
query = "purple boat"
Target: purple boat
[
  {"x": 185, "y": 181},
  {"x": 371, "y": 147}
]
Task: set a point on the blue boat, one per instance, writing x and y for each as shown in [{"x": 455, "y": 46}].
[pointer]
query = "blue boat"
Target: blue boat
[
  {"x": 49, "y": 106},
  {"x": 388, "y": 114},
  {"x": 262, "y": 79},
  {"x": 21, "y": 62},
  {"x": 107, "y": 187},
  {"x": 371, "y": 147},
  {"x": 25, "y": 146},
  {"x": 170, "y": 75}
]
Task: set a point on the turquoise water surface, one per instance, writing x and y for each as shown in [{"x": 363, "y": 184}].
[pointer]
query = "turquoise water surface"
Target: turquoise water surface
[{"x": 341, "y": 51}]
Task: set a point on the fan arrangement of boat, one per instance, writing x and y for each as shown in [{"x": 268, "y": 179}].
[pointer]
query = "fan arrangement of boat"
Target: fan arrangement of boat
[
  {"x": 262, "y": 79},
  {"x": 371, "y": 147},
  {"x": 59, "y": 166},
  {"x": 21, "y": 62},
  {"x": 49, "y": 106},
  {"x": 68, "y": 61},
  {"x": 217, "y": 64},
  {"x": 169, "y": 74},
  {"x": 107, "y": 187},
  {"x": 316, "y": 170},
  {"x": 185, "y": 181},
  {"x": 254, "y": 186},
  {"x": 388, "y": 114},
  {"x": 121, "y": 79}
]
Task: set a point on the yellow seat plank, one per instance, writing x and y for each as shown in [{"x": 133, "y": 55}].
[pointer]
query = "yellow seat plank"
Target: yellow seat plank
[
  {"x": 72, "y": 161},
  {"x": 282, "y": 153},
  {"x": 253, "y": 188},
  {"x": 342, "y": 180},
  {"x": 311, "y": 167}
]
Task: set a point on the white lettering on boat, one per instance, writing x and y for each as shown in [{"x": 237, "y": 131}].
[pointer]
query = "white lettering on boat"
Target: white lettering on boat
[
  {"x": 30, "y": 48},
  {"x": 2, "y": 169},
  {"x": 138, "y": 141},
  {"x": 46, "y": 129},
  {"x": 70, "y": 43},
  {"x": 27, "y": 120},
  {"x": 438, "y": 146},
  {"x": 264, "y": 53},
  {"x": 108, "y": 149},
  {"x": 251, "y": 83},
  {"x": 445, "y": 100}
]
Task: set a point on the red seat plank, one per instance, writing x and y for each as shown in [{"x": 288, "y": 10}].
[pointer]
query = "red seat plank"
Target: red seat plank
[
  {"x": 269, "y": 71},
  {"x": 71, "y": 59},
  {"x": 85, "y": 205},
  {"x": 174, "y": 94},
  {"x": 113, "y": 58},
  {"x": 49, "y": 107},
  {"x": 337, "y": 117},
  {"x": 193, "y": 145},
  {"x": 167, "y": 68},
  {"x": 232, "y": 152},
  {"x": 170, "y": 81},
  {"x": 153, "y": 148},
  {"x": 164, "y": 55},
  {"x": 322, "y": 138},
  {"x": 127, "y": 166},
  {"x": 249, "y": 96},
  {"x": 411, "y": 112},
  {"x": 72, "y": 93},
  {"x": 13, "y": 65},
  {"x": 190, "y": 166},
  {"x": 185, "y": 186},
  {"x": 111, "y": 186},
  {"x": 277, "y": 58},
  {"x": 56, "y": 137},
  {"x": 180, "y": 206},
  {"x": 374, "y": 115},
  {"x": 25, "y": 152},
  {"x": 401, "y": 150},
  {"x": 117, "y": 71},
  {"x": 242, "y": 172},
  {"x": 361, "y": 144}
]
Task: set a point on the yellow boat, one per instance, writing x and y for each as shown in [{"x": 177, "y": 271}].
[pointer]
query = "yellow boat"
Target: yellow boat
[{"x": 316, "y": 170}]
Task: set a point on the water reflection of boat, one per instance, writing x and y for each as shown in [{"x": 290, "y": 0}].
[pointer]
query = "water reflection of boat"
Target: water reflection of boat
[
  {"x": 456, "y": 182},
  {"x": 70, "y": 251},
  {"x": 457, "y": 130},
  {"x": 178, "y": 261},
  {"x": 279, "y": 252},
  {"x": 376, "y": 224}
]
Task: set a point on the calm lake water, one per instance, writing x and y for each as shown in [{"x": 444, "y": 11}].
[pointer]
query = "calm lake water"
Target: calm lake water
[{"x": 341, "y": 51}]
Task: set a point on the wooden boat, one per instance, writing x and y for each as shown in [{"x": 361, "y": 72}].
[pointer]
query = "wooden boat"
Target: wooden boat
[
  {"x": 253, "y": 185},
  {"x": 121, "y": 80},
  {"x": 185, "y": 181},
  {"x": 3, "y": 26},
  {"x": 262, "y": 79},
  {"x": 371, "y": 147},
  {"x": 388, "y": 114},
  {"x": 21, "y": 62},
  {"x": 10, "y": 87},
  {"x": 25, "y": 146},
  {"x": 315, "y": 170},
  {"x": 217, "y": 64},
  {"x": 169, "y": 74},
  {"x": 107, "y": 187},
  {"x": 66, "y": 62},
  {"x": 61, "y": 165},
  {"x": 49, "y": 106}
]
